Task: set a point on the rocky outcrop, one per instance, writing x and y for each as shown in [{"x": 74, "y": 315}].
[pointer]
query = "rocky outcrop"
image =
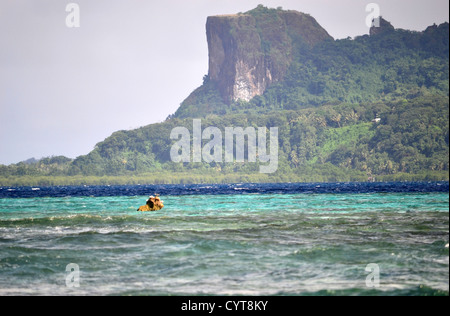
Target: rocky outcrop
[
  {"x": 250, "y": 51},
  {"x": 380, "y": 26}
]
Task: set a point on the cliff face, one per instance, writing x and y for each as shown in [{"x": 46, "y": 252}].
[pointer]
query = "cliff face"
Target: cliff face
[
  {"x": 382, "y": 27},
  {"x": 250, "y": 51}
]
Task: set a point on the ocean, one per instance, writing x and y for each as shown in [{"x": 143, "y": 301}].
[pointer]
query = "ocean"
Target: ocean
[{"x": 231, "y": 239}]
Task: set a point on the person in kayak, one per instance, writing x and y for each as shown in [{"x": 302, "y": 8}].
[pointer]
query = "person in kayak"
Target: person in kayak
[{"x": 153, "y": 204}]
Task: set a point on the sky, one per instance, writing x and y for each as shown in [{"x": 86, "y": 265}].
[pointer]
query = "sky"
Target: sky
[{"x": 130, "y": 63}]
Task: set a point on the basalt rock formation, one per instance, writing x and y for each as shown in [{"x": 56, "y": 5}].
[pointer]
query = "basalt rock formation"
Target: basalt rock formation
[
  {"x": 380, "y": 26},
  {"x": 250, "y": 51}
]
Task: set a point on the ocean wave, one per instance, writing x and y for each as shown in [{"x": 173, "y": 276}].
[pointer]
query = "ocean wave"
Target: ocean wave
[{"x": 68, "y": 220}]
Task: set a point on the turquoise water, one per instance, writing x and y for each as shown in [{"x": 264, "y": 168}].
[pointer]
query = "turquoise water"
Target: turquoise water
[{"x": 248, "y": 244}]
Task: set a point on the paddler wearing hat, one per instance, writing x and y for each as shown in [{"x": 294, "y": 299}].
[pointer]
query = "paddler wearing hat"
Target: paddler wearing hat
[{"x": 153, "y": 204}]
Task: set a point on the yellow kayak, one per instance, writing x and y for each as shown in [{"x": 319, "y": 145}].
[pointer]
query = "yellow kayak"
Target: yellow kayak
[{"x": 153, "y": 204}]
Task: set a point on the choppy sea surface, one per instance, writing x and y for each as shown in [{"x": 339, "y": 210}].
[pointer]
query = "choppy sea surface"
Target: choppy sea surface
[{"x": 235, "y": 239}]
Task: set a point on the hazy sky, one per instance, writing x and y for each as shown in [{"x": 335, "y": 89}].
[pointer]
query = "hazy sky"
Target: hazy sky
[{"x": 130, "y": 63}]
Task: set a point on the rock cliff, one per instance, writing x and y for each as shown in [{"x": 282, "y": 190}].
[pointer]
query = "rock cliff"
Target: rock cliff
[
  {"x": 250, "y": 51},
  {"x": 382, "y": 26}
]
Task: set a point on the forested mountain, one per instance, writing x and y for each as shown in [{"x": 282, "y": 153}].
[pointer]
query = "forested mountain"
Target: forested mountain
[{"x": 373, "y": 106}]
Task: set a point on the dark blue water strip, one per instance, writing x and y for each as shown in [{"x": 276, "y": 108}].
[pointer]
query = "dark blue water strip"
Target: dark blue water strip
[{"x": 218, "y": 189}]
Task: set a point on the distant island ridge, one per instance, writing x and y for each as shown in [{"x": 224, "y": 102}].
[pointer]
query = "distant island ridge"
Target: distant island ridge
[{"x": 375, "y": 108}]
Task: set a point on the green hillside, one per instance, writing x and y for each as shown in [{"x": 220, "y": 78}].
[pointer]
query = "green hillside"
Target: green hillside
[{"x": 324, "y": 108}]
